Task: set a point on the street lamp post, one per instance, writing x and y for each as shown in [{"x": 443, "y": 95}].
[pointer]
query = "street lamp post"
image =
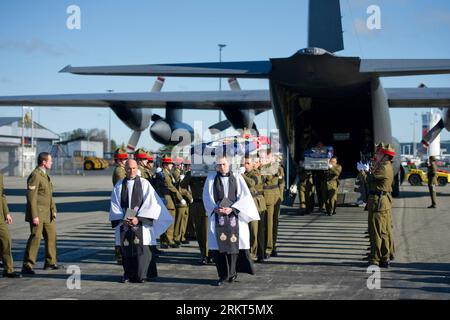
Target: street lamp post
[
  {"x": 221, "y": 46},
  {"x": 109, "y": 127},
  {"x": 414, "y": 135}
]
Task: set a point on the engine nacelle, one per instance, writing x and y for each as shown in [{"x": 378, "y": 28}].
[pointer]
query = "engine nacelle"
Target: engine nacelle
[
  {"x": 447, "y": 119},
  {"x": 171, "y": 132},
  {"x": 137, "y": 119}
]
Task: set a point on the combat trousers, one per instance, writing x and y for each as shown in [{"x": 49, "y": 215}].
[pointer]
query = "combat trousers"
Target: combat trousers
[
  {"x": 180, "y": 221},
  {"x": 269, "y": 228},
  {"x": 184, "y": 225},
  {"x": 271, "y": 224},
  {"x": 253, "y": 226},
  {"x": 331, "y": 201},
  {"x": 390, "y": 226},
  {"x": 5, "y": 249},
  {"x": 261, "y": 242},
  {"x": 432, "y": 195},
  {"x": 276, "y": 222},
  {"x": 48, "y": 231},
  {"x": 302, "y": 196},
  {"x": 200, "y": 222},
  {"x": 309, "y": 198},
  {"x": 167, "y": 237},
  {"x": 380, "y": 246}
]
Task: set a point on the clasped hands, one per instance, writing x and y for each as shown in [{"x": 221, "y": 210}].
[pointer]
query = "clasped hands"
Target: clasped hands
[
  {"x": 131, "y": 221},
  {"x": 223, "y": 211}
]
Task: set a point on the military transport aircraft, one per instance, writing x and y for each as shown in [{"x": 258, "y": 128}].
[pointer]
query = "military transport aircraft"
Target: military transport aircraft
[{"x": 312, "y": 93}]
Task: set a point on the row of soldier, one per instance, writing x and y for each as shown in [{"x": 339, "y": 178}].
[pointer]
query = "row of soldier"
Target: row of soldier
[{"x": 182, "y": 196}]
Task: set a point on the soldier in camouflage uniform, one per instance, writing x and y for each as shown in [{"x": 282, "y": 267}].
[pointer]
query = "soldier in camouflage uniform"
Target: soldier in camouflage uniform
[
  {"x": 182, "y": 210},
  {"x": 271, "y": 190},
  {"x": 332, "y": 176},
  {"x": 41, "y": 215},
  {"x": 141, "y": 157},
  {"x": 380, "y": 179},
  {"x": 432, "y": 180},
  {"x": 277, "y": 208},
  {"x": 257, "y": 231},
  {"x": 305, "y": 190},
  {"x": 120, "y": 158},
  {"x": 173, "y": 198},
  {"x": 5, "y": 238}
]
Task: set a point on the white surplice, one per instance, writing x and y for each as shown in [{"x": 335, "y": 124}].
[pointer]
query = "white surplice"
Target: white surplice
[
  {"x": 244, "y": 203},
  {"x": 152, "y": 208}
]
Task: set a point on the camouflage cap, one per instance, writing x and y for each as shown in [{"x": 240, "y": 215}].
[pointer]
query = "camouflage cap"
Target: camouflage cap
[{"x": 120, "y": 153}]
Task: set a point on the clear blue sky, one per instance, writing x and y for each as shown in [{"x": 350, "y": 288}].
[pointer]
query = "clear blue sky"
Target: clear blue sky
[{"x": 35, "y": 44}]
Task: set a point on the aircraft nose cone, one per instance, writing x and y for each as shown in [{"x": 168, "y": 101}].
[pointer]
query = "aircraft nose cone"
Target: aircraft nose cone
[{"x": 161, "y": 132}]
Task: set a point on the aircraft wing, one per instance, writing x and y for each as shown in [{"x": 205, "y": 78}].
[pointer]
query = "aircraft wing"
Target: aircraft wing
[
  {"x": 418, "y": 97},
  {"x": 245, "y": 99},
  {"x": 250, "y": 69},
  {"x": 404, "y": 67}
]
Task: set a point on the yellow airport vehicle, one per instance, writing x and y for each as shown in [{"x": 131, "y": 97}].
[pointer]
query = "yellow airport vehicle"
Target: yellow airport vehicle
[
  {"x": 94, "y": 163},
  {"x": 417, "y": 177},
  {"x": 89, "y": 161}
]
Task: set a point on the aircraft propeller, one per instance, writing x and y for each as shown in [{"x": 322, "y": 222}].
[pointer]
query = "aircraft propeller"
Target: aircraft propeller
[{"x": 134, "y": 139}]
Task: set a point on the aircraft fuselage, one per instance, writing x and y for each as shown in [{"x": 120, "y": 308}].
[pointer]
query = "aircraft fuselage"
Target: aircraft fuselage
[{"x": 324, "y": 98}]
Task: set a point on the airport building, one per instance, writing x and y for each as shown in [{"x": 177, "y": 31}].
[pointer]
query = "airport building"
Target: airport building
[
  {"x": 20, "y": 142},
  {"x": 407, "y": 147}
]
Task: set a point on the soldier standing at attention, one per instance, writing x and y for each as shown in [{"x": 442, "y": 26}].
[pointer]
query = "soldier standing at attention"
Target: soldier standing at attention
[
  {"x": 189, "y": 233},
  {"x": 263, "y": 213},
  {"x": 41, "y": 214},
  {"x": 271, "y": 190},
  {"x": 5, "y": 238},
  {"x": 257, "y": 231},
  {"x": 120, "y": 158},
  {"x": 432, "y": 180},
  {"x": 172, "y": 198},
  {"x": 332, "y": 176},
  {"x": 277, "y": 208},
  {"x": 150, "y": 163},
  {"x": 141, "y": 158},
  {"x": 181, "y": 209},
  {"x": 186, "y": 192},
  {"x": 380, "y": 180}
]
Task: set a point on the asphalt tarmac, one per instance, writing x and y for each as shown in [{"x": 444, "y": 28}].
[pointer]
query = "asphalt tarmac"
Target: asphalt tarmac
[{"x": 320, "y": 257}]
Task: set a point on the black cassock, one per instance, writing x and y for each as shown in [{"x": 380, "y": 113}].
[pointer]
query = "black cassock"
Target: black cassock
[
  {"x": 229, "y": 259},
  {"x": 137, "y": 257}
]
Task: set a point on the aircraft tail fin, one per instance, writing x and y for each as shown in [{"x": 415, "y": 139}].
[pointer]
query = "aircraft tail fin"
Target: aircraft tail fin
[{"x": 325, "y": 25}]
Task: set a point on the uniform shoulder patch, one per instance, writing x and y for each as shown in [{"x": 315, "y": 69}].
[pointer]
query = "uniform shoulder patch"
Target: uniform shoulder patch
[{"x": 31, "y": 187}]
